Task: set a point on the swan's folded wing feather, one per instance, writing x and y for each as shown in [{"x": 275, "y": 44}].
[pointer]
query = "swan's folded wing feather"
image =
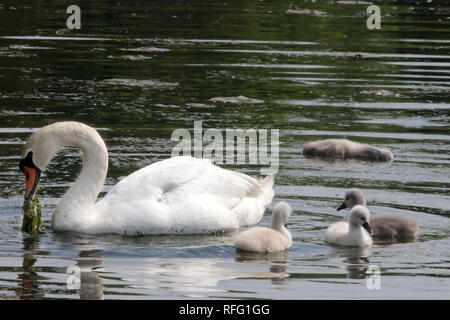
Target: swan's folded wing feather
[
  {"x": 229, "y": 187},
  {"x": 171, "y": 180},
  {"x": 182, "y": 195}
]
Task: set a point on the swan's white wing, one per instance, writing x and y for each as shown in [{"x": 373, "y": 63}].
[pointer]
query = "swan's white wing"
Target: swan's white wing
[{"x": 182, "y": 195}]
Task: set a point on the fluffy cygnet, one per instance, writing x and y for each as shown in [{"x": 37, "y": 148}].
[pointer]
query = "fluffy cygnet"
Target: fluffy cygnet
[
  {"x": 352, "y": 233},
  {"x": 386, "y": 227},
  {"x": 261, "y": 239},
  {"x": 344, "y": 149}
]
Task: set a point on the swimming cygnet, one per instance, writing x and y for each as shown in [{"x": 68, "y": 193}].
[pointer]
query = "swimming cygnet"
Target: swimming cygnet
[
  {"x": 261, "y": 239},
  {"x": 344, "y": 149},
  {"x": 386, "y": 227},
  {"x": 352, "y": 233}
]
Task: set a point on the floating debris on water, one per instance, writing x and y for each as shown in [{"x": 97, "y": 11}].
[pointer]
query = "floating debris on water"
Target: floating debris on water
[
  {"x": 131, "y": 58},
  {"x": 308, "y": 83},
  {"x": 161, "y": 105},
  {"x": 236, "y": 100},
  {"x": 146, "y": 49},
  {"x": 355, "y": 2},
  {"x": 361, "y": 55},
  {"x": 384, "y": 93},
  {"x": 307, "y": 12},
  {"x": 354, "y": 55},
  {"x": 141, "y": 83},
  {"x": 27, "y": 47},
  {"x": 200, "y": 105}
]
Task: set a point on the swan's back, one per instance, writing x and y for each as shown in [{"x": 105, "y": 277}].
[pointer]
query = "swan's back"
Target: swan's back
[
  {"x": 386, "y": 227},
  {"x": 390, "y": 227},
  {"x": 345, "y": 149},
  {"x": 182, "y": 195}
]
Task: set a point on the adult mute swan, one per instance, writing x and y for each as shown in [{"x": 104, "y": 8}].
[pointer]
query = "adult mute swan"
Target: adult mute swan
[
  {"x": 178, "y": 195},
  {"x": 276, "y": 238},
  {"x": 386, "y": 227},
  {"x": 352, "y": 233},
  {"x": 344, "y": 149}
]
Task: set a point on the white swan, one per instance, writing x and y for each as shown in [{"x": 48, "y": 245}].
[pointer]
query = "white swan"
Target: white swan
[
  {"x": 276, "y": 238},
  {"x": 386, "y": 227},
  {"x": 178, "y": 195},
  {"x": 344, "y": 149},
  {"x": 352, "y": 233}
]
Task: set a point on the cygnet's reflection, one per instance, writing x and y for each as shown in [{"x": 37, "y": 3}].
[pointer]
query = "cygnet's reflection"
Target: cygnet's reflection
[
  {"x": 278, "y": 262},
  {"x": 82, "y": 277},
  {"x": 357, "y": 259},
  {"x": 341, "y": 164},
  {"x": 91, "y": 285},
  {"x": 388, "y": 242}
]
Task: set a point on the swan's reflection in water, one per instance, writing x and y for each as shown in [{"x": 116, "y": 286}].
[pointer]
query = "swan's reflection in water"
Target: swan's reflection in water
[
  {"x": 190, "y": 266},
  {"x": 29, "y": 288},
  {"x": 190, "y": 277}
]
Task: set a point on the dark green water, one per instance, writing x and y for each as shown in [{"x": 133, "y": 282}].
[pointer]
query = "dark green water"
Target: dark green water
[{"x": 312, "y": 73}]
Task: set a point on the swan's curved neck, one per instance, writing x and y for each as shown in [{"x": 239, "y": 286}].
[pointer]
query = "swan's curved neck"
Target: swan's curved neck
[
  {"x": 72, "y": 211},
  {"x": 277, "y": 223}
]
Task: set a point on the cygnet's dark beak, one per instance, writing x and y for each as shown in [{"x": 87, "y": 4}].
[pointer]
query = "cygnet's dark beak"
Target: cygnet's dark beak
[
  {"x": 341, "y": 206},
  {"x": 366, "y": 226},
  {"x": 286, "y": 225}
]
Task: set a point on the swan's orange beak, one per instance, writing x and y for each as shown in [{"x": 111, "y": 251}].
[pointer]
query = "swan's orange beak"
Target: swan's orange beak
[{"x": 32, "y": 176}]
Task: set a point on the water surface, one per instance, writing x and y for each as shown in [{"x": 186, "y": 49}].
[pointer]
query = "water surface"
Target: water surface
[{"x": 314, "y": 75}]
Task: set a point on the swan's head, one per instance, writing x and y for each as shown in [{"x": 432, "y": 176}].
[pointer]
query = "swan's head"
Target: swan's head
[
  {"x": 281, "y": 214},
  {"x": 44, "y": 143},
  {"x": 37, "y": 153},
  {"x": 385, "y": 155},
  {"x": 360, "y": 216},
  {"x": 352, "y": 198}
]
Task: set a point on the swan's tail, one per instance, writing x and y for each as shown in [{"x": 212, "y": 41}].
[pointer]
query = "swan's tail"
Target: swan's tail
[{"x": 268, "y": 191}]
